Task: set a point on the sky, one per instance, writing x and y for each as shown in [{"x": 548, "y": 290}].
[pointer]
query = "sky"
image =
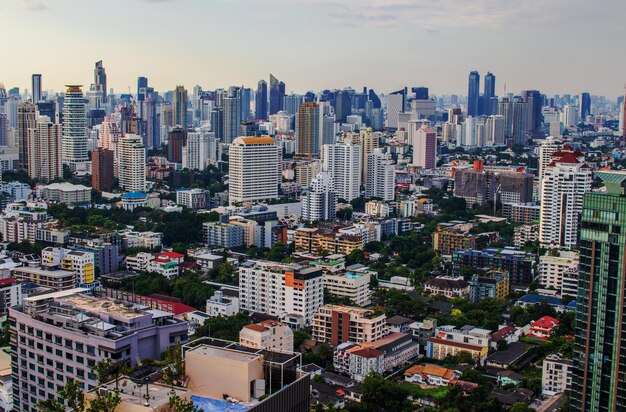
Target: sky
[{"x": 556, "y": 46}]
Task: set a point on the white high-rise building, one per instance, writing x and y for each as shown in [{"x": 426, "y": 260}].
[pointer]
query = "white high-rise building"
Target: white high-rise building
[
  {"x": 559, "y": 272},
  {"x": 470, "y": 138},
  {"x": 395, "y": 105},
  {"x": 319, "y": 203},
  {"x": 494, "y": 128},
  {"x": 109, "y": 136},
  {"x": 546, "y": 149},
  {"x": 565, "y": 180},
  {"x": 570, "y": 116},
  {"x": 288, "y": 291},
  {"x": 44, "y": 150},
  {"x": 74, "y": 128},
  {"x": 425, "y": 148},
  {"x": 343, "y": 162},
  {"x": 200, "y": 150},
  {"x": 369, "y": 141},
  {"x": 255, "y": 166},
  {"x": 132, "y": 163},
  {"x": 380, "y": 176}
]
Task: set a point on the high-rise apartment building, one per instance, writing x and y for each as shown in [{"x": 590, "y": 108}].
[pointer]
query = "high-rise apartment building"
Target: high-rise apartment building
[
  {"x": 260, "y": 101},
  {"x": 395, "y": 106},
  {"x": 343, "y": 162},
  {"x": 519, "y": 122},
  {"x": 74, "y": 142},
  {"x": 369, "y": 141},
  {"x": 473, "y": 94},
  {"x": 175, "y": 141},
  {"x": 534, "y": 104},
  {"x": 548, "y": 147},
  {"x": 380, "y": 176},
  {"x": 217, "y": 122},
  {"x": 179, "y": 104},
  {"x": 320, "y": 201},
  {"x": 287, "y": 291},
  {"x": 505, "y": 109},
  {"x": 100, "y": 79},
  {"x": 494, "y": 128},
  {"x": 336, "y": 324},
  {"x": 200, "y": 151},
  {"x": 44, "y": 150},
  {"x": 565, "y": 180},
  {"x": 132, "y": 163},
  {"x": 277, "y": 92},
  {"x": 26, "y": 120},
  {"x": 36, "y": 88},
  {"x": 254, "y": 172},
  {"x": 490, "y": 103},
  {"x": 425, "y": 148},
  {"x": 599, "y": 339},
  {"x": 63, "y": 335},
  {"x": 102, "y": 170},
  {"x": 308, "y": 130}
]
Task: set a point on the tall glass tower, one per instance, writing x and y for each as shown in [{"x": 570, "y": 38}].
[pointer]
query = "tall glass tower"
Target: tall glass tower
[
  {"x": 473, "y": 94},
  {"x": 599, "y": 343}
]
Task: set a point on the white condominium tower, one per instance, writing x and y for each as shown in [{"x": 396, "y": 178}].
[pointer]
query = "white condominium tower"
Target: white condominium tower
[
  {"x": 132, "y": 163},
  {"x": 565, "y": 180},
  {"x": 44, "y": 150},
  {"x": 254, "y": 169},
  {"x": 343, "y": 162},
  {"x": 74, "y": 127},
  {"x": 380, "y": 176},
  {"x": 319, "y": 203}
]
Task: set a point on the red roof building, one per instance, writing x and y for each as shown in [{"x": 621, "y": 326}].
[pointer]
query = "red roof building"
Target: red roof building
[{"x": 543, "y": 327}]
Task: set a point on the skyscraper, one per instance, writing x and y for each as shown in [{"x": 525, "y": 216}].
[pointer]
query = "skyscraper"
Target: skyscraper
[
  {"x": 623, "y": 115},
  {"x": 254, "y": 169},
  {"x": 44, "y": 150},
  {"x": 175, "y": 142},
  {"x": 277, "y": 92},
  {"x": 232, "y": 116},
  {"x": 395, "y": 105},
  {"x": 473, "y": 94},
  {"x": 380, "y": 176},
  {"x": 309, "y": 130},
  {"x": 534, "y": 104},
  {"x": 179, "y": 103},
  {"x": 519, "y": 121},
  {"x": 565, "y": 180},
  {"x": 100, "y": 79},
  {"x": 369, "y": 141},
  {"x": 489, "y": 95},
  {"x": 36, "y": 88},
  {"x": 585, "y": 106},
  {"x": 74, "y": 127},
  {"x": 599, "y": 341},
  {"x": 102, "y": 170},
  {"x": 142, "y": 85},
  {"x": 260, "y": 101},
  {"x": 343, "y": 162},
  {"x": 245, "y": 95},
  {"x": 132, "y": 163},
  {"x": 343, "y": 105},
  {"x": 217, "y": 122},
  {"x": 425, "y": 147},
  {"x": 320, "y": 201},
  {"x": 26, "y": 119}
]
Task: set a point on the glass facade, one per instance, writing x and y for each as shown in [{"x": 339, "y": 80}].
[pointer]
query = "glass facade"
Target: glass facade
[{"x": 599, "y": 347}]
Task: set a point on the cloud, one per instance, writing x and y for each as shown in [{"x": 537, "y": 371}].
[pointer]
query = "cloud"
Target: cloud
[
  {"x": 433, "y": 15},
  {"x": 22, "y": 5}
]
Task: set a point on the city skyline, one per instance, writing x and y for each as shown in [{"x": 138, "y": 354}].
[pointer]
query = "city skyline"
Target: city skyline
[{"x": 415, "y": 35}]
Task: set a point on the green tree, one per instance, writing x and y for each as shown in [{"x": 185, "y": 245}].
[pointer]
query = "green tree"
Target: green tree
[
  {"x": 520, "y": 407},
  {"x": 299, "y": 336},
  {"x": 380, "y": 394},
  {"x": 73, "y": 395},
  {"x": 178, "y": 404},
  {"x": 104, "y": 401},
  {"x": 50, "y": 405}
]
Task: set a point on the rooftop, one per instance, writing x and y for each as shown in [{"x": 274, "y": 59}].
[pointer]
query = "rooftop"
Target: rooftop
[{"x": 134, "y": 393}]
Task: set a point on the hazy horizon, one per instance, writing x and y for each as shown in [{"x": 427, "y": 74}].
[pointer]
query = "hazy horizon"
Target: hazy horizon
[{"x": 557, "y": 46}]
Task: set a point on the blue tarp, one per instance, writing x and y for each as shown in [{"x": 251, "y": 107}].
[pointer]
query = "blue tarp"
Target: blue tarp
[{"x": 216, "y": 405}]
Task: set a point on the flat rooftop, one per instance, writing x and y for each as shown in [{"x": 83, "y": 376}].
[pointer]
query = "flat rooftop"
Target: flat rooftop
[
  {"x": 225, "y": 353},
  {"x": 103, "y": 305},
  {"x": 134, "y": 393}
]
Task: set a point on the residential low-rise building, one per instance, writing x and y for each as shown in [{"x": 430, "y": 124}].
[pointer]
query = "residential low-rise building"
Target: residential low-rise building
[
  {"x": 484, "y": 287},
  {"x": 559, "y": 272},
  {"x": 449, "y": 340},
  {"x": 81, "y": 263},
  {"x": 556, "y": 375},
  {"x": 145, "y": 240},
  {"x": 517, "y": 263},
  {"x": 356, "y": 361},
  {"x": 222, "y": 305},
  {"x": 450, "y": 237},
  {"x": 320, "y": 242},
  {"x": 543, "y": 327},
  {"x": 10, "y": 294},
  {"x": 334, "y": 324},
  {"x": 269, "y": 335},
  {"x": 226, "y": 235},
  {"x": 429, "y": 374},
  {"x": 54, "y": 279},
  {"x": 65, "y": 192},
  {"x": 525, "y": 233},
  {"x": 193, "y": 199},
  {"x": 349, "y": 285},
  {"x": 451, "y": 287}
]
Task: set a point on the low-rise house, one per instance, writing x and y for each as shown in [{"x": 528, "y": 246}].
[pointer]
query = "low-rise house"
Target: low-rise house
[
  {"x": 449, "y": 287},
  {"x": 543, "y": 327},
  {"x": 400, "y": 324},
  {"x": 508, "y": 377},
  {"x": 221, "y": 305},
  {"x": 429, "y": 374},
  {"x": 508, "y": 357}
]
